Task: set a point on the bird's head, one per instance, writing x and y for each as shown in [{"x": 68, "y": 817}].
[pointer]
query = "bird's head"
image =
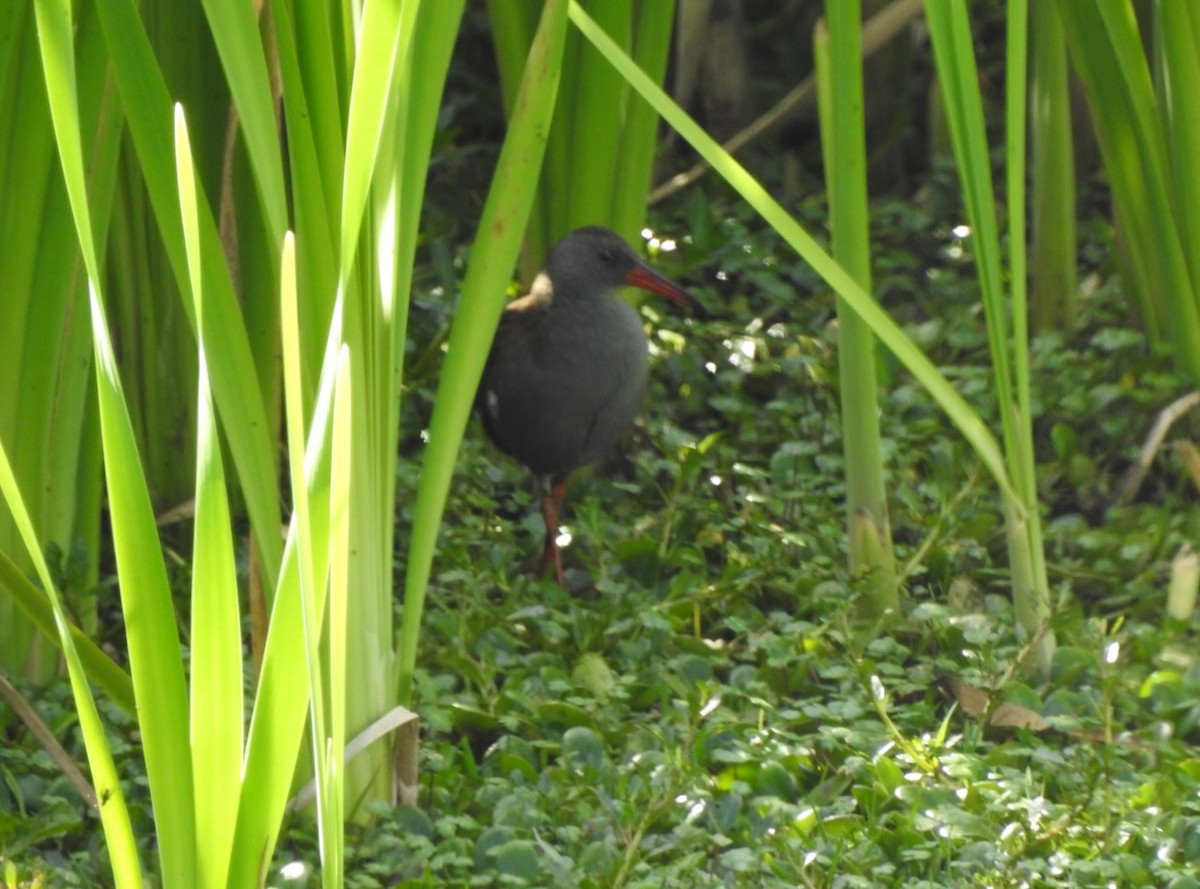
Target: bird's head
[{"x": 595, "y": 260}]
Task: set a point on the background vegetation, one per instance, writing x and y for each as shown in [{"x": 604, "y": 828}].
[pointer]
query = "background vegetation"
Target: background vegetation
[{"x": 707, "y": 706}]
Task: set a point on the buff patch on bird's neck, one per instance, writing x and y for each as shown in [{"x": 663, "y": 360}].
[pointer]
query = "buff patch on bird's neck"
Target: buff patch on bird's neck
[{"x": 540, "y": 294}]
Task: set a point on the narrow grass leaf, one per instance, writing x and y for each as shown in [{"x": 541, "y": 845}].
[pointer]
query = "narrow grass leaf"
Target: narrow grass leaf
[
  {"x": 1031, "y": 586},
  {"x": 512, "y": 28},
  {"x": 147, "y": 107},
  {"x": 339, "y": 597},
  {"x": 1106, "y": 49},
  {"x": 954, "y": 55},
  {"x": 235, "y": 31},
  {"x": 1021, "y": 461},
  {"x": 145, "y": 594},
  {"x": 843, "y": 140},
  {"x": 1179, "y": 61},
  {"x": 597, "y": 109},
  {"x": 376, "y": 331},
  {"x": 27, "y": 180},
  {"x": 639, "y": 130},
  {"x": 216, "y": 652},
  {"x": 950, "y": 33},
  {"x": 311, "y": 602},
  {"x": 45, "y": 341},
  {"x": 324, "y": 46},
  {"x": 374, "y": 67},
  {"x": 114, "y": 814},
  {"x": 282, "y": 699},
  {"x": 379, "y": 110},
  {"x": 314, "y": 214},
  {"x": 1052, "y": 175}
]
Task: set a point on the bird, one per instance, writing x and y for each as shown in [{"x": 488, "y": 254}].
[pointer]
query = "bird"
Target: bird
[{"x": 567, "y": 370}]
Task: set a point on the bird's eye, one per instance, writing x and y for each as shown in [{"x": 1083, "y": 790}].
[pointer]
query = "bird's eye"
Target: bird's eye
[{"x": 608, "y": 254}]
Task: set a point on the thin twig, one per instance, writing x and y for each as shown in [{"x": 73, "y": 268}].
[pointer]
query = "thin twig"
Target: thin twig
[
  {"x": 49, "y": 743},
  {"x": 1136, "y": 473}
]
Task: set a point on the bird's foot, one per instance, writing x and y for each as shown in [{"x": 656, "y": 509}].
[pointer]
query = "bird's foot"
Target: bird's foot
[
  {"x": 552, "y": 555},
  {"x": 552, "y": 498}
]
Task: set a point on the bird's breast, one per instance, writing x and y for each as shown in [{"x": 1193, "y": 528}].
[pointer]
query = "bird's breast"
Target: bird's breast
[{"x": 560, "y": 393}]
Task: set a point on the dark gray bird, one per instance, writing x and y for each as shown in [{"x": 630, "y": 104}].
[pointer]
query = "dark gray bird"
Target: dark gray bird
[{"x": 567, "y": 370}]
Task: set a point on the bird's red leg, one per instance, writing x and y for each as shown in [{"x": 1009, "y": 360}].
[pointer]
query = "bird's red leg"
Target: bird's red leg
[{"x": 551, "y": 501}]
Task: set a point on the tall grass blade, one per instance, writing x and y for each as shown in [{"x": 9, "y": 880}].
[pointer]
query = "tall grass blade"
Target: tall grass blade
[
  {"x": 236, "y": 33},
  {"x": 843, "y": 132},
  {"x": 308, "y": 540},
  {"x": 216, "y": 652},
  {"x": 45, "y": 340},
  {"x": 377, "y": 331},
  {"x": 314, "y": 132},
  {"x": 500, "y": 229},
  {"x": 596, "y": 107},
  {"x": 1053, "y": 266},
  {"x": 339, "y": 603},
  {"x": 1178, "y": 59},
  {"x": 282, "y": 699},
  {"x": 147, "y": 106},
  {"x": 950, "y": 33},
  {"x": 639, "y": 130},
  {"x": 145, "y": 594},
  {"x": 114, "y": 813},
  {"x": 374, "y": 68},
  {"x": 1107, "y": 53}
]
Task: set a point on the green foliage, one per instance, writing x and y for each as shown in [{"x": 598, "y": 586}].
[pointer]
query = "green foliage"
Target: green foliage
[
  {"x": 699, "y": 712},
  {"x": 603, "y": 138},
  {"x": 1148, "y": 133},
  {"x": 47, "y": 408}
]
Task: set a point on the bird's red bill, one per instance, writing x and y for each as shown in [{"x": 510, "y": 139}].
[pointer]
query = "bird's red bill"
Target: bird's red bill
[{"x": 648, "y": 279}]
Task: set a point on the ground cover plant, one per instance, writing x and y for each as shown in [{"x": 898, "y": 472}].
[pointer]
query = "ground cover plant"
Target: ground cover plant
[
  {"x": 705, "y": 706},
  {"x": 703, "y": 711}
]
